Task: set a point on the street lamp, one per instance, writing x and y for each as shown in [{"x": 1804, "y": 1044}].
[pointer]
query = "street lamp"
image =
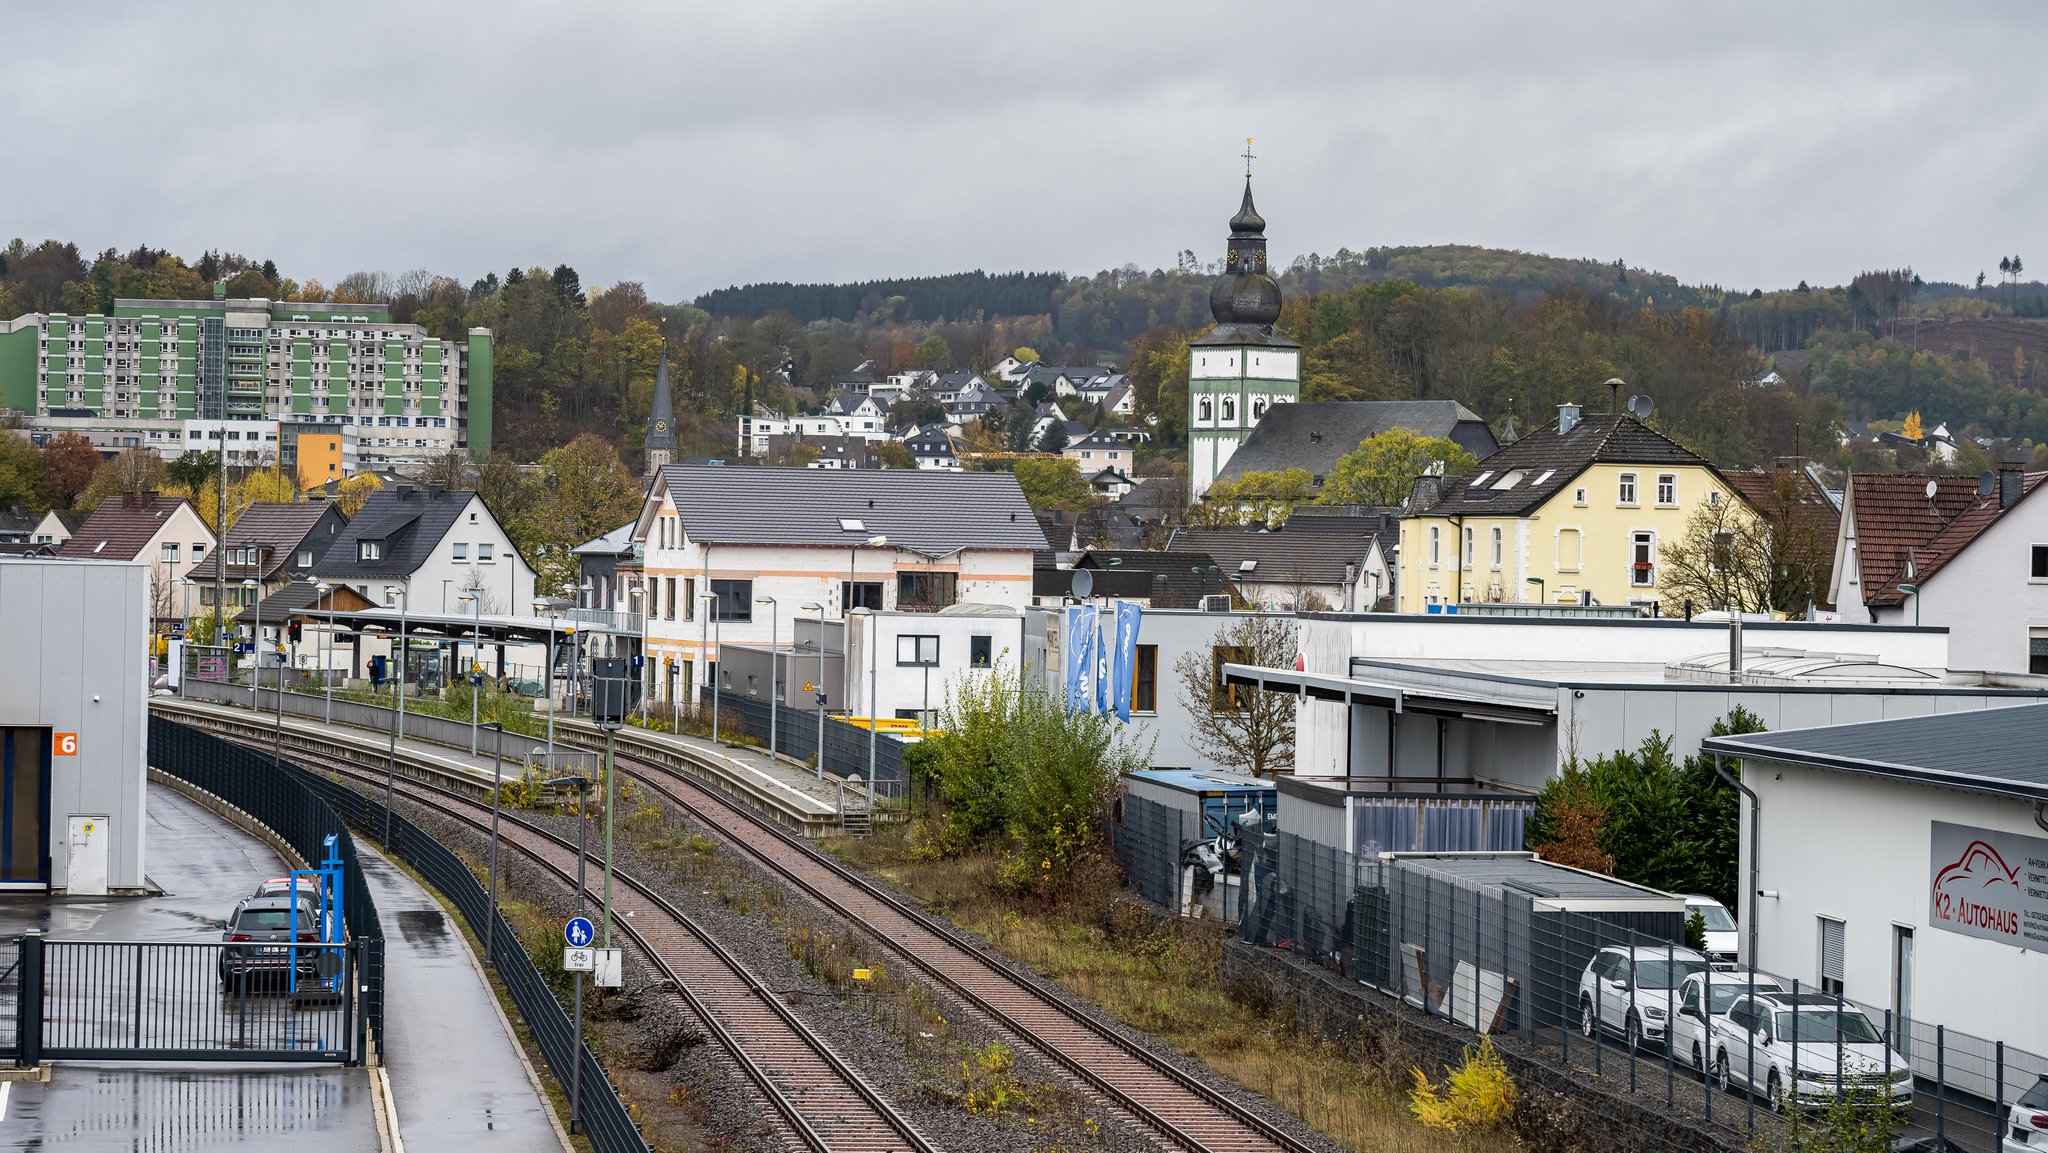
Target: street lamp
[
  {"x": 582, "y": 786},
  {"x": 475, "y": 597},
  {"x": 711, "y": 610},
  {"x": 870, "y": 639},
  {"x": 326, "y": 592},
  {"x": 820, "y": 610},
  {"x": 497, "y": 786},
  {"x": 403, "y": 595},
  {"x": 255, "y": 646},
  {"x": 774, "y": 611},
  {"x": 547, "y": 607}
]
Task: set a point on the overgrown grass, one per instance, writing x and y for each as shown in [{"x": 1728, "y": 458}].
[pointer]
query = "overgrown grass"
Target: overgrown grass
[{"x": 1163, "y": 978}]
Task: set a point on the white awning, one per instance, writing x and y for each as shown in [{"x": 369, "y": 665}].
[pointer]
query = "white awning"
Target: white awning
[{"x": 1519, "y": 710}]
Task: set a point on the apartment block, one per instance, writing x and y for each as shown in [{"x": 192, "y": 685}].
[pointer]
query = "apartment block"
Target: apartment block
[{"x": 160, "y": 373}]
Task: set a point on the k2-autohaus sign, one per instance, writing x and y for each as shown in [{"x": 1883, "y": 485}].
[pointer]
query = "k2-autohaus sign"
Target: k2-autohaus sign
[{"x": 1988, "y": 884}]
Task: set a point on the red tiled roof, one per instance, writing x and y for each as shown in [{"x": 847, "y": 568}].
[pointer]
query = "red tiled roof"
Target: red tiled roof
[
  {"x": 1895, "y": 518},
  {"x": 122, "y": 526}
]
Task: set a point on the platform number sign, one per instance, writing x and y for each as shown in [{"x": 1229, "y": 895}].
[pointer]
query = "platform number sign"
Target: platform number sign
[
  {"x": 66, "y": 744},
  {"x": 578, "y": 932}
]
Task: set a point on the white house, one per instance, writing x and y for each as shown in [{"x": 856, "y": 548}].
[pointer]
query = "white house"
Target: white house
[
  {"x": 1097, "y": 451},
  {"x": 1904, "y": 864},
  {"x": 850, "y": 414},
  {"x": 932, "y": 447},
  {"x": 56, "y": 527},
  {"x": 1979, "y": 562},
  {"x": 1010, "y": 370},
  {"x": 431, "y": 546},
  {"x": 719, "y": 541},
  {"x": 163, "y": 532},
  {"x": 757, "y": 430}
]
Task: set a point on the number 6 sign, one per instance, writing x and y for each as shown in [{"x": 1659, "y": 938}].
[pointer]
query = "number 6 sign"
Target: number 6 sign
[{"x": 67, "y": 744}]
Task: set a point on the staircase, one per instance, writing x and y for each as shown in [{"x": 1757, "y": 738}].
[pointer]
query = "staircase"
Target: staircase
[{"x": 856, "y": 822}]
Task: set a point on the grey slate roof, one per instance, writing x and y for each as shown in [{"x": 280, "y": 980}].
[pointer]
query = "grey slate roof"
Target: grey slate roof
[
  {"x": 409, "y": 521},
  {"x": 284, "y": 527},
  {"x": 1995, "y": 751},
  {"x": 1314, "y": 436},
  {"x": 931, "y": 512},
  {"x": 618, "y": 542},
  {"x": 1311, "y": 550},
  {"x": 1549, "y": 461}
]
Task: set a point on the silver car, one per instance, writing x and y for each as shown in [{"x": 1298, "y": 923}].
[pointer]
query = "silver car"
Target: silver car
[
  {"x": 1704, "y": 998},
  {"x": 1633, "y": 992},
  {"x": 1786, "y": 1047}
]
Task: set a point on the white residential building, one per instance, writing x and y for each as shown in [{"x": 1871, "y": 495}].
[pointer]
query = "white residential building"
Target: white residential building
[
  {"x": 432, "y": 546},
  {"x": 885, "y": 540}
]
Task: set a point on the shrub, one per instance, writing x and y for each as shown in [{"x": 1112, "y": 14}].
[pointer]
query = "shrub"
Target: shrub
[{"x": 1478, "y": 1094}]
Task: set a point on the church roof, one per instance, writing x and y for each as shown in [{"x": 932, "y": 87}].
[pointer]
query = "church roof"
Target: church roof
[{"x": 1246, "y": 294}]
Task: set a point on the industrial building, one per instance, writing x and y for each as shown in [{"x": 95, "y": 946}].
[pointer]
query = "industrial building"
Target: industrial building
[
  {"x": 73, "y": 725},
  {"x": 138, "y": 378}
]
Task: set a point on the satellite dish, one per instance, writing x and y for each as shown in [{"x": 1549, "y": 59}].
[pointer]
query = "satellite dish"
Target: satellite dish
[
  {"x": 1084, "y": 584},
  {"x": 1932, "y": 488},
  {"x": 1641, "y": 406},
  {"x": 1987, "y": 482}
]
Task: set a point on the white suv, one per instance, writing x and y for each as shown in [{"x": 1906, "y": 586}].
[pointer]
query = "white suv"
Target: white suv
[
  {"x": 1785, "y": 1045},
  {"x": 2026, "y": 1126},
  {"x": 1704, "y": 998},
  {"x": 1633, "y": 992}
]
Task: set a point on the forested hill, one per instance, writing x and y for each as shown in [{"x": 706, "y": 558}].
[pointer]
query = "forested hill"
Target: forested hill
[{"x": 958, "y": 296}]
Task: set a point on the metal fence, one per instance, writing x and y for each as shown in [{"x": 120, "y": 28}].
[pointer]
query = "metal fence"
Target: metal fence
[
  {"x": 1154, "y": 844},
  {"x": 796, "y": 736},
  {"x": 1515, "y": 965}
]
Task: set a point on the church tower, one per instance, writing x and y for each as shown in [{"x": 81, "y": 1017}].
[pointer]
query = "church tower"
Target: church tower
[
  {"x": 661, "y": 436},
  {"x": 1243, "y": 366}
]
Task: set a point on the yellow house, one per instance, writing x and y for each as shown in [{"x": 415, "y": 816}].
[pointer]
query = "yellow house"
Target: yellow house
[{"x": 1579, "y": 506}]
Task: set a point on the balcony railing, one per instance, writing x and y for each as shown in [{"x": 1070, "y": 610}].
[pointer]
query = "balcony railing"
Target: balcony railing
[{"x": 605, "y": 620}]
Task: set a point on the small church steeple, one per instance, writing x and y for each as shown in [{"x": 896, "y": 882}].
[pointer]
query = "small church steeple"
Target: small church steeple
[{"x": 661, "y": 437}]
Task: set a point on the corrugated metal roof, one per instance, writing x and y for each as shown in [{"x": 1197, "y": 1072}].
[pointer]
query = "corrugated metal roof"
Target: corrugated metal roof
[
  {"x": 1525, "y": 873},
  {"x": 934, "y": 513},
  {"x": 1997, "y": 750}
]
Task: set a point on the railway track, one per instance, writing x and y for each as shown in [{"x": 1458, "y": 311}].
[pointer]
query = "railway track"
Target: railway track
[
  {"x": 824, "y": 1103},
  {"x": 1164, "y": 1098}
]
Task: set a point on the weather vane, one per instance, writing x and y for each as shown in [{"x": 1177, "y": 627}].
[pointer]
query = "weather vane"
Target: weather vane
[{"x": 1248, "y": 158}]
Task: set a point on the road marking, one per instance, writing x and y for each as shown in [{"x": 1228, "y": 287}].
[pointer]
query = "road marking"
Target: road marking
[{"x": 4, "y": 1087}]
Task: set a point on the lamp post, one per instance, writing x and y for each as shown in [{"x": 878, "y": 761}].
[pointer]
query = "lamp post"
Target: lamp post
[
  {"x": 326, "y": 592},
  {"x": 774, "y": 612},
  {"x": 475, "y": 597},
  {"x": 1913, "y": 590},
  {"x": 874, "y": 691},
  {"x": 582, "y": 785},
  {"x": 255, "y": 646},
  {"x": 398, "y": 729},
  {"x": 547, "y": 607},
  {"x": 820, "y": 609},
  {"x": 497, "y": 786},
  {"x": 586, "y": 589},
  {"x": 717, "y": 642}
]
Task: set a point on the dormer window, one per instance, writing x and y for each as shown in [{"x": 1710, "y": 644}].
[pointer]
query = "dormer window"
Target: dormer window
[{"x": 370, "y": 550}]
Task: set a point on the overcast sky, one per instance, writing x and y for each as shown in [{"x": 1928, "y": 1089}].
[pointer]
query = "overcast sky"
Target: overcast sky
[{"x": 690, "y": 146}]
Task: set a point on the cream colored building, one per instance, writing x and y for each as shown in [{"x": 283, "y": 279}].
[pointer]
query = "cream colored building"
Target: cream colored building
[{"x": 1580, "y": 506}]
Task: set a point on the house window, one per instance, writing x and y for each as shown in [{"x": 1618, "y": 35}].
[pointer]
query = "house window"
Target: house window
[
  {"x": 2037, "y": 650},
  {"x": 1833, "y": 934},
  {"x": 370, "y": 550},
  {"x": 1496, "y": 546},
  {"x": 1203, "y": 412},
  {"x": 198, "y": 550},
  {"x": 735, "y": 600},
  {"x": 461, "y": 550},
  {"x": 170, "y": 553},
  {"x": 1570, "y": 550},
  {"x": 1579, "y": 497},
  {"x": 917, "y": 650},
  {"x": 1627, "y": 493},
  {"x": 666, "y": 587},
  {"x": 1145, "y": 680},
  {"x": 919, "y": 590},
  {"x": 1229, "y": 410},
  {"x": 1436, "y": 545},
  {"x": 1223, "y": 697},
  {"x": 1713, "y": 498},
  {"x": 2041, "y": 562},
  {"x": 1466, "y": 552},
  {"x": 689, "y": 598},
  {"x": 483, "y": 553},
  {"x": 980, "y": 652},
  {"x": 1642, "y": 569},
  {"x": 1667, "y": 488},
  {"x": 860, "y": 595}
]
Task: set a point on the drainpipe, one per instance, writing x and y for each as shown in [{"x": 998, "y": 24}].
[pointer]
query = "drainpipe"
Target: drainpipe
[
  {"x": 1756, "y": 848},
  {"x": 2041, "y": 814},
  {"x": 1734, "y": 648}
]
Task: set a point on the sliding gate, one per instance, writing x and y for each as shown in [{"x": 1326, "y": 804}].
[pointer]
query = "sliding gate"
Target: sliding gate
[{"x": 181, "y": 1001}]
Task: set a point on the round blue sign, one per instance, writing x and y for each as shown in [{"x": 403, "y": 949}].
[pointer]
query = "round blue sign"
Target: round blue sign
[{"x": 578, "y": 932}]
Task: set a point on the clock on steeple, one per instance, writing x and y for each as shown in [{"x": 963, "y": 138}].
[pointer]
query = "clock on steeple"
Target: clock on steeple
[{"x": 660, "y": 445}]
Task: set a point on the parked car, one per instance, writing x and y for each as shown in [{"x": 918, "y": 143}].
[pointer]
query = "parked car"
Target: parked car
[
  {"x": 1785, "y": 1045},
  {"x": 259, "y": 936},
  {"x": 278, "y": 886},
  {"x": 1633, "y": 992},
  {"x": 2026, "y": 1126},
  {"x": 1925, "y": 1144},
  {"x": 1723, "y": 941},
  {"x": 1704, "y": 998}
]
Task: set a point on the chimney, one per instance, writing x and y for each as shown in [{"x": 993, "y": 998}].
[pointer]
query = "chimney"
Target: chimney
[
  {"x": 2010, "y": 480},
  {"x": 403, "y": 492},
  {"x": 1567, "y": 418}
]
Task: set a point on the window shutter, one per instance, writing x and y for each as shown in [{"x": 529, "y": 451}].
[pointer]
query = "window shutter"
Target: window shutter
[{"x": 1831, "y": 949}]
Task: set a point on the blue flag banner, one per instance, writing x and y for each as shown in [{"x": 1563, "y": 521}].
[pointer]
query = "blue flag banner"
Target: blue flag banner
[
  {"x": 1080, "y": 657},
  {"x": 1128, "y": 617},
  {"x": 1103, "y": 676}
]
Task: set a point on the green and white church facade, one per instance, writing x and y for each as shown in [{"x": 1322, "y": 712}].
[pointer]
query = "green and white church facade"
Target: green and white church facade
[{"x": 1243, "y": 366}]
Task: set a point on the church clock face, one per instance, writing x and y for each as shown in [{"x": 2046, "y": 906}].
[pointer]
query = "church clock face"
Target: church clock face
[{"x": 660, "y": 425}]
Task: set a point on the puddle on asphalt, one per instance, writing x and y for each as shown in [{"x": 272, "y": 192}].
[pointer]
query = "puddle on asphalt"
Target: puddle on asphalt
[
  {"x": 189, "y": 1111},
  {"x": 427, "y": 928}
]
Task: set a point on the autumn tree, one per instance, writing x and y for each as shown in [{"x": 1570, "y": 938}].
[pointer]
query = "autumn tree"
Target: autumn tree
[
  {"x": 352, "y": 492},
  {"x": 69, "y": 460},
  {"x": 1775, "y": 556},
  {"x": 21, "y": 473},
  {"x": 933, "y": 353},
  {"x": 1383, "y": 468},
  {"x": 580, "y": 492},
  {"x": 191, "y": 470},
  {"x": 1254, "y": 498},
  {"x": 1242, "y": 728},
  {"x": 135, "y": 470},
  {"x": 1568, "y": 823},
  {"x": 1055, "y": 483},
  {"x": 895, "y": 454}
]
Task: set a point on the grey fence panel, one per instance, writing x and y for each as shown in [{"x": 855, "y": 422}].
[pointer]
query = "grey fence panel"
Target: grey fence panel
[
  {"x": 796, "y": 735},
  {"x": 1149, "y": 843}
]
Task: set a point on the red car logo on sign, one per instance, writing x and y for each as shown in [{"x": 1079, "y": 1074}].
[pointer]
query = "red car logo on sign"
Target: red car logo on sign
[{"x": 1962, "y": 889}]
